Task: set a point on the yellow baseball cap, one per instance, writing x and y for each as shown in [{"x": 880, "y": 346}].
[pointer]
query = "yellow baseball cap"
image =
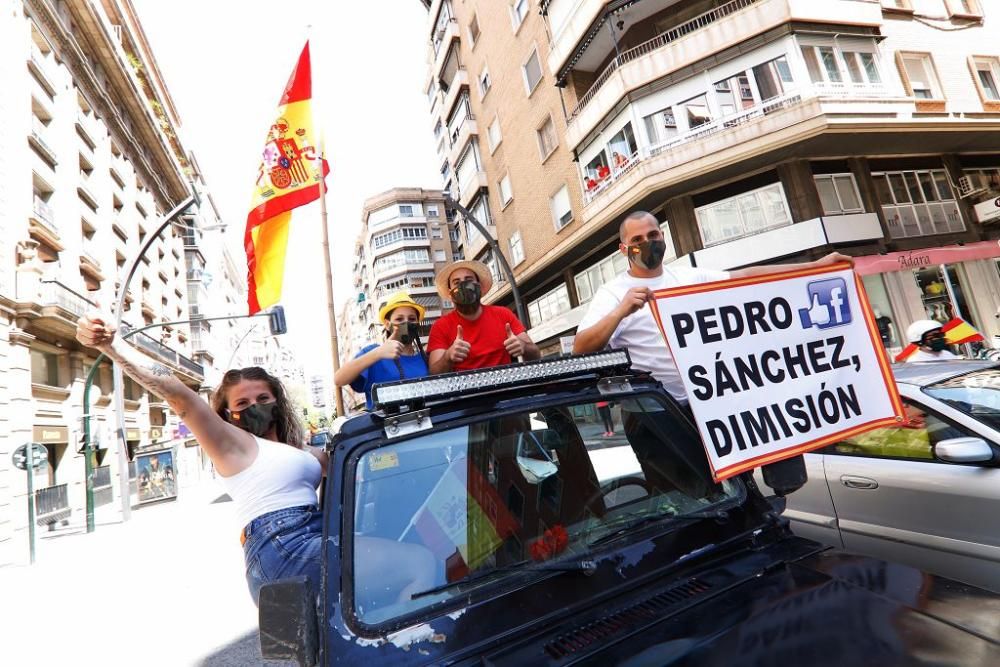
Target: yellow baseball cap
[{"x": 400, "y": 299}]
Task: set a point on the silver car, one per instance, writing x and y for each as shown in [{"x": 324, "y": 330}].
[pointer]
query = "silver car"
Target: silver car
[{"x": 926, "y": 492}]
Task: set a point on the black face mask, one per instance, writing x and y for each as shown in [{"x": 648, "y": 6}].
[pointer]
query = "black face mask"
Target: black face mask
[
  {"x": 648, "y": 254},
  {"x": 937, "y": 344},
  {"x": 467, "y": 296},
  {"x": 405, "y": 333},
  {"x": 256, "y": 419}
]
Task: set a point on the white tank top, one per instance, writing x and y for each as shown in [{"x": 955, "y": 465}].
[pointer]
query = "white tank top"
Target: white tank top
[{"x": 281, "y": 476}]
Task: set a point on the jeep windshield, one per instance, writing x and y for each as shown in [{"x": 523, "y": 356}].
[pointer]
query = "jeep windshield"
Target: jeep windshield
[{"x": 516, "y": 495}]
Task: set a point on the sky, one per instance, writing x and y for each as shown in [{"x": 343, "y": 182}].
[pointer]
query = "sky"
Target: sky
[{"x": 226, "y": 64}]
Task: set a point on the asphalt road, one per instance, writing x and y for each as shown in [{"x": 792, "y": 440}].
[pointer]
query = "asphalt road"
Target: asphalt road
[{"x": 167, "y": 588}]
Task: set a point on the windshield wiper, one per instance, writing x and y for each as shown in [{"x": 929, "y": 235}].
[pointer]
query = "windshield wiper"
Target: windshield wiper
[
  {"x": 719, "y": 515},
  {"x": 587, "y": 566}
]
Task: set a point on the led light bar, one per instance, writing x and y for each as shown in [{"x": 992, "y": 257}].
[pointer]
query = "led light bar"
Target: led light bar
[{"x": 435, "y": 387}]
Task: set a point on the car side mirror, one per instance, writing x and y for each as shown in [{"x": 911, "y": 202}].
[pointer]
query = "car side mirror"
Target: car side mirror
[
  {"x": 287, "y": 618},
  {"x": 963, "y": 450}
]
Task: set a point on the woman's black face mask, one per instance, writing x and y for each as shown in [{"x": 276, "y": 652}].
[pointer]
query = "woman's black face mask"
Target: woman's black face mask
[
  {"x": 466, "y": 296},
  {"x": 648, "y": 254},
  {"x": 256, "y": 419},
  {"x": 405, "y": 333}
]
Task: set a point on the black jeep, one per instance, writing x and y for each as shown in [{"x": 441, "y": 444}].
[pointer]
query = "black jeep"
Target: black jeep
[{"x": 489, "y": 518}]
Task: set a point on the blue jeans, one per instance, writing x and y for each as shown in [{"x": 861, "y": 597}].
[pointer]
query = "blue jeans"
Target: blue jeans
[{"x": 284, "y": 543}]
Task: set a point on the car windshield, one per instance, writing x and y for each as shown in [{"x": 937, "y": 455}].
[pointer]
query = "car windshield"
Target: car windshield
[
  {"x": 976, "y": 394},
  {"x": 436, "y": 515}
]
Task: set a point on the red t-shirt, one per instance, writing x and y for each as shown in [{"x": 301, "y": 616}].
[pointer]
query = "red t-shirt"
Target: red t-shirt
[{"x": 485, "y": 336}]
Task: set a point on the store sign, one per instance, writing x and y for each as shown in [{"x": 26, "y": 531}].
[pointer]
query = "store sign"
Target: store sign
[
  {"x": 50, "y": 434},
  {"x": 918, "y": 259},
  {"x": 156, "y": 433},
  {"x": 778, "y": 365},
  {"x": 132, "y": 434},
  {"x": 988, "y": 211}
]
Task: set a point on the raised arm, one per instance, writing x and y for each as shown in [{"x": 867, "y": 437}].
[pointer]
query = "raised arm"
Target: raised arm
[
  {"x": 230, "y": 448},
  {"x": 349, "y": 372}
]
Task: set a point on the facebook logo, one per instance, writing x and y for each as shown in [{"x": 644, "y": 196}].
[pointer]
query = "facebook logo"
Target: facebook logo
[{"x": 828, "y": 305}]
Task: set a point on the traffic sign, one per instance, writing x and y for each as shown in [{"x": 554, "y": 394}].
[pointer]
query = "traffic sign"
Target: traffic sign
[{"x": 39, "y": 456}]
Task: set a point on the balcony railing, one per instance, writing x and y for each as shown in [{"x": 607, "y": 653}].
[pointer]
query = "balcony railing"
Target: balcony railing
[
  {"x": 156, "y": 347},
  {"x": 43, "y": 212},
  {"x": 38, "y": 132},
  {"x": 54, "y": 293},
  {"x": 664, "y": 38},
  {"x": 51, "y": 504}
]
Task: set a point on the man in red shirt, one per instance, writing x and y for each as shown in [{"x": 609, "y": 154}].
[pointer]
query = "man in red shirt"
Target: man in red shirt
[{"x": 474, "y": 335}]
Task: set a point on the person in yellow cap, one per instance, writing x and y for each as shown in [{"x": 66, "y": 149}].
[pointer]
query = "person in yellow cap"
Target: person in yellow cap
[{"x": 397, "y": 358}]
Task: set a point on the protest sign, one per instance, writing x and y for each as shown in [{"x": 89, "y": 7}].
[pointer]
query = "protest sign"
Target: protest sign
[{"x": 778, "y": 365}]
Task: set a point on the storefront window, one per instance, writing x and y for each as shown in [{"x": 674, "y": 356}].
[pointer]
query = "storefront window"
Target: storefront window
[
  {"x": 878, "y": 297},
  {"x": 942, "y": 293}
]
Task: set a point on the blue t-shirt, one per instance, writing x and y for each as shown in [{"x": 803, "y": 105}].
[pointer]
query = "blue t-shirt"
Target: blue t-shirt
[{"x": 385, "y": 370}]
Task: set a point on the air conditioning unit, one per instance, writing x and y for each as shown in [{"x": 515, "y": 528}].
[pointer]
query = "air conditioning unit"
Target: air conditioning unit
[{"x": 966, "y": 188}]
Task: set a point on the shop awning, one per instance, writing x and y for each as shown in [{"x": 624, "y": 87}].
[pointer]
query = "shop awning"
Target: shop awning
[{"x": 918, "y": 259}]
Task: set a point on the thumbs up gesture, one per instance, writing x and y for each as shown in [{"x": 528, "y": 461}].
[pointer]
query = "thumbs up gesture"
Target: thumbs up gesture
[
  {"x": 459, "y": 350},
  {"x": 819, "y": 314},
  {"x": 513, "y": 344}
]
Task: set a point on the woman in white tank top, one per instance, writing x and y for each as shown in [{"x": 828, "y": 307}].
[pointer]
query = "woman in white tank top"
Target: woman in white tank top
[{"x": 256, "y": 442}]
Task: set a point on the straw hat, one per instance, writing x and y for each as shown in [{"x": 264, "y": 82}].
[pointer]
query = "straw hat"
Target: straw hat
[
  {"x": 480, "y": 269},
  {"x": 400, "y": 299}
]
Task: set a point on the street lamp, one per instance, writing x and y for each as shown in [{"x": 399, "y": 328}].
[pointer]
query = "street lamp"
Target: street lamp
[{"x": 522, "y": 314}]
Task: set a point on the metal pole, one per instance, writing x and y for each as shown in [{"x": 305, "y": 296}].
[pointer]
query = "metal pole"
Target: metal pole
[
  {"x": 88, "y": 452},
  {"x": 522, "y": 313},
  {"x": 31, "y": 500},
  {"x": 119, "y": 396},
  {"x": 334, "y": 344}
]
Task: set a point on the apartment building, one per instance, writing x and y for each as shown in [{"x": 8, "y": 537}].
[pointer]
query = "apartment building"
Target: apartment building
[
  {"x": 499, "y": 125},
  {"x": 91, "y": 161},
  {"x": 776, "y": 130},
  {"x": 406, "y": 237}
]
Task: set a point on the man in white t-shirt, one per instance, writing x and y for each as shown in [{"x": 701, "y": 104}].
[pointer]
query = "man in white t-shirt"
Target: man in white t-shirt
[{"x": 619, "y": 317}]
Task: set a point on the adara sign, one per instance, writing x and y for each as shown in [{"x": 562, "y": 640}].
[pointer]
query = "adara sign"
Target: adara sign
[{"x": 778, "y": 365}]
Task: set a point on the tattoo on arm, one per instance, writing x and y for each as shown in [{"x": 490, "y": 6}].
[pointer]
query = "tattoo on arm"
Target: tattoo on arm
[{"x": 160, "y": 370}]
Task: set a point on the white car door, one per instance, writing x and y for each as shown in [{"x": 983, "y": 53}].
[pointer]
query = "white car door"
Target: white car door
[{"x": 895, "y": 500}]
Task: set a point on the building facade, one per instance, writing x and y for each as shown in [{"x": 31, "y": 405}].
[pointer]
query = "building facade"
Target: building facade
[
  {"x": 762, "y": 131},
  {"x": 499, "y": 125},
  {"x": 91, "y": 162}
]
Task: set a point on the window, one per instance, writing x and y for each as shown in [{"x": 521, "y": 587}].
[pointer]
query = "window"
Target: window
[
  {"x": 897, "y": 4},
  {"x": 590, "y": 279},
  {"x": 987, "y": 73},
  {"x": 919, "y": 76},
  {"x": 914, "y": 439},
  {"x": 436, "y": 233},
  {"x": 397, "y": 235},
  {"x": 405, "y": 210},
  {"x": 493, "y": 136},
  {"x": 862, "y": 67},
  {"x": 661, "y": 126},
  {"x": 917, "y": 203},
  {"x": 402, "y": 258},
  {"x": 550, "y": 305},
  {"x": 440, "y": 256},
  {"x": 622, "y": 147},
  {"x": 547, "y": 141},
  {"x": 518, "y": 11},
  {"x": 562, "y": 213},
  {"x": 474, "y": 30},
  {"x": 839, "y": 194},
  {"x": 506, "y": 194},
  {"x": 516, "y": 248},
  {"x": 44, "y": 368},
  {"x": 964, "y": 7},
  {"x": 532, "y": 71},
  {"x": 695, "y": 111},
  {"x": 432, "y": 211},
  {"x": 743, "y": 215},
  {"x": 484, "y": 82}
]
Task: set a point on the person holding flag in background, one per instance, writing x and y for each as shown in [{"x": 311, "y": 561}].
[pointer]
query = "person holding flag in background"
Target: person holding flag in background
[{"x": 929, "y": 340}]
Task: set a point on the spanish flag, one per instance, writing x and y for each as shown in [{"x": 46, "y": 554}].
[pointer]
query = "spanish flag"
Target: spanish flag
[
  {"x": 956, "y": 332},
  {"x": 288, "y": 176}
]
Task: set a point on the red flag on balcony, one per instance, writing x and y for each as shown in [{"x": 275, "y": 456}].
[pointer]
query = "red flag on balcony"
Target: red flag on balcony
[{"x": 288, "y": 177}]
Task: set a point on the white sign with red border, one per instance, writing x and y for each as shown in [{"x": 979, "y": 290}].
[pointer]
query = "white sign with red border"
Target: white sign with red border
[{"x": 778, "y": 365}]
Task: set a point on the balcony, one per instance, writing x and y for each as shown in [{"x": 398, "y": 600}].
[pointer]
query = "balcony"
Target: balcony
[
  {"x": 53, "y": 307},
  {"x": 86, "y": 194},
  {"x": 460, "y": 137},
  {"x": 729, "y": 25},
  {"x": 788, "y": 240},
  {"x": 43, "y": 218},
  {"x": 390, "y": 270},
  {"x": 447, "y": 34},
  {"x": 85, "y": 128},
  {"x": 37, "y": 141},
  {"x": 796, "y": 116},
  {"x": 458, "y": 84},
  {"x": 88, "y": 259},
  {"x": 477, "y": 243},
  {"x": 468, "y": 188},
  {"x": 150, "y": 344},
  {"x": 41, "y": 68}
]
